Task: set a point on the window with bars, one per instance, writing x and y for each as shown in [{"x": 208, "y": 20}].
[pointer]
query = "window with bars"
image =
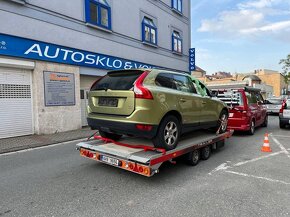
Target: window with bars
[
  {"x": 149, "y": 31},
  {"x": 176, "y": 42},
  {"x": 98, "y": 12}
]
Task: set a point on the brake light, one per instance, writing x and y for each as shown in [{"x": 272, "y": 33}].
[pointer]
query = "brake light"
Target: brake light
[
  {"x": 144, "y": 127},
  {"x": 283, "y": 107},
  {"x": 140, "y": 91}
]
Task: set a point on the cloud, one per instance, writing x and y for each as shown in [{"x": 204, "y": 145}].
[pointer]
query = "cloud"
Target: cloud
[
  {"x": 257, "y": 4},
  {"x": 232, "y": 21},
  {"x": 253, "y": 18}
]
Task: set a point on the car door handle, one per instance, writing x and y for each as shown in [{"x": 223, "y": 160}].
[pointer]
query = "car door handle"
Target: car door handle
[{"x": 182, "y": 100}]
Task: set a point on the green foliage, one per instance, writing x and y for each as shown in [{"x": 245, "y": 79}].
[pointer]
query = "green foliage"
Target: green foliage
[{"x": 286, "y": 68}]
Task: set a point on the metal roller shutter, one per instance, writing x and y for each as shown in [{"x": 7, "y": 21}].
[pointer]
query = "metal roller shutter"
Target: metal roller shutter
[{"x": 15, "y": 103}]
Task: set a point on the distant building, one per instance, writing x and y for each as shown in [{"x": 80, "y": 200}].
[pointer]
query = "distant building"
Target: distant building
[{"x": 198, "y": 73}]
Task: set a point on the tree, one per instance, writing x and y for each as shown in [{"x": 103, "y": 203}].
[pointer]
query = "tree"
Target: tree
[{"x": 286, "y": 68}]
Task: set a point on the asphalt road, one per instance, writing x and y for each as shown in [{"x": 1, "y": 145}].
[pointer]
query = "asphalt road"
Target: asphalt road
[{"x": 239, "y": 180}]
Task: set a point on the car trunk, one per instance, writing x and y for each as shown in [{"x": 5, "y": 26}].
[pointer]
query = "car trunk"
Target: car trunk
[{"x": 113, "y": 94}]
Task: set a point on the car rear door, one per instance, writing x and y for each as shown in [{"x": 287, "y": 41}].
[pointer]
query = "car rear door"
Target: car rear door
[
  {"x": 253, "y": 106},
  {"x": 188, "y": 100}
]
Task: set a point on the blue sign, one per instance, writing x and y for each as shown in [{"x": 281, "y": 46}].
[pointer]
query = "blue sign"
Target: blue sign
[
  {"x": 36, "y": 50},
  {"x": 192, "y": 59}
]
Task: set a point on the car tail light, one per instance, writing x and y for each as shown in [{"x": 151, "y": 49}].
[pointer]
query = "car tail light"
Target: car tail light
[
  {"x": 140, "y": 91},
  {"x": 283, "y": 107},
  {"x": 144, "y": 127}
]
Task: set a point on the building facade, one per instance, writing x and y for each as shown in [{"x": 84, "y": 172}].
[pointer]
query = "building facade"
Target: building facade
[{"x": 51, "y": 52}]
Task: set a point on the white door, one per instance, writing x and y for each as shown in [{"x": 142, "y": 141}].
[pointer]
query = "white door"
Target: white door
[
  {"x": 84, "y": 104},
  {"x": 15, "y": 103}
]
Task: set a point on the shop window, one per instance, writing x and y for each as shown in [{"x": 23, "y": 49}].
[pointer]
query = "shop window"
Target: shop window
[
  {"x": 98, "y": 12},
  {"x": 177, "y": 5},
  {"x": 176, "y": 42},
  {"x": 149, "y": 31}
]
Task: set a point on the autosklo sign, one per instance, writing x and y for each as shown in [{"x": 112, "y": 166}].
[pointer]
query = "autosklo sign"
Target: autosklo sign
[{"x": 30, "y": 49}]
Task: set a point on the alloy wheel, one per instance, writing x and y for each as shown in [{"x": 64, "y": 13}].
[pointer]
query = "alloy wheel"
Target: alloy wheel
[{"x": 170, "y": 133}]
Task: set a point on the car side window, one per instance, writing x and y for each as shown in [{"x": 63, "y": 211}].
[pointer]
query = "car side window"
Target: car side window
[
  {"x": 183, "y": 84},
  {"x": 251, "y": 97},
  {"x": 259, "y": 98},
  {"x": 205, "y": 91},
  {"x": 165, "y": 80}
]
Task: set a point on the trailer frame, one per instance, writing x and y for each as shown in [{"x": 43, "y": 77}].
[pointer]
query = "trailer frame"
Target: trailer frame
[{"x": 144, "y": 159}]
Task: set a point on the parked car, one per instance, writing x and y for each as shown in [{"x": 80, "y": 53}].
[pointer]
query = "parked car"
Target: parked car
[
  {"x": 284, "y": 114},
  {"x": 273, "y": 105},
  {"x": 247, "y": 110},
  {"x": 150, "y": 103}
]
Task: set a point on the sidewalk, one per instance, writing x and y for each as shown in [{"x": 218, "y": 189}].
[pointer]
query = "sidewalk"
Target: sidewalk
[{"x": 32, "y": 141}]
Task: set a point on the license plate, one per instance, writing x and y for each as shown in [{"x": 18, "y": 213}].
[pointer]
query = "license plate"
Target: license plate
[
  {"x": 109, "y": 160},
  {"x": 111, "y": 102},
  {"x": 231, "y": 115}
]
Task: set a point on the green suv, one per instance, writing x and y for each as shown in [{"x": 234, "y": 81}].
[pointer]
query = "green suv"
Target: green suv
[{"x": 155, "y": 104}]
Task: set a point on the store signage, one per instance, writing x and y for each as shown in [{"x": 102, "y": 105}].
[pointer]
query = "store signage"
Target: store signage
[
  {"x": 59, "y": 89},
  {"x": 192, "y": 59},
  {"x": 31, "y": 49}
]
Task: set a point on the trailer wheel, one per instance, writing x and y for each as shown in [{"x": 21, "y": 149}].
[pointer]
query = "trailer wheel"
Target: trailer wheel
[
  {"x": 205, "y": 152},
  {"x": 192, "y": 158}
]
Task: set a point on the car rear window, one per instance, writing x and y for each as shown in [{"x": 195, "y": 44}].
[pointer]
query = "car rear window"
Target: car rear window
[
  {"x": 231, "y": 98},
  {"x": 274, "y": 101},
  {"x": 123, "y": 80}
]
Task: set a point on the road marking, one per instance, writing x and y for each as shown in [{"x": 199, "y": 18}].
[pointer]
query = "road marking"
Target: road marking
[
  {"x": 223, "y": 166},
  {"x": 281, "y": 146},
  {"x": 42, "y": 147},
  {"x": 258, "y": 158},
  {"x": 257, "y": 177},
  {"x": 280, "y": 136}
]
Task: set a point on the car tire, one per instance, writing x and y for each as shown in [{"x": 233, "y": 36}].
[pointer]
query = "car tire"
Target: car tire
[
  {"x": 265, "y": 123},
  {"x": 168, "y": 133},
  {"x": 112, "y": 136},
  {"x": 252, "y": 128},
  {"x": 205, "y": 152},
  {"x": 282, "y": 126},
  {"x": 192, "y": 158},
  {"x": 222, "y": 122}
]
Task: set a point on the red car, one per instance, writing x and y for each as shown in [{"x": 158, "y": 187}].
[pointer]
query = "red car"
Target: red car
[{"x": 246, "y": 108}]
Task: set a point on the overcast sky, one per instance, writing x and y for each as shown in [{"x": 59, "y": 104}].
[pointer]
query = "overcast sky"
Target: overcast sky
[{"x": 240, "y": 36}]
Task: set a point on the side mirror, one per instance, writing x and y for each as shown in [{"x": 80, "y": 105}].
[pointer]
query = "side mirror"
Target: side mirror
[{"x": 214, "y": 93}]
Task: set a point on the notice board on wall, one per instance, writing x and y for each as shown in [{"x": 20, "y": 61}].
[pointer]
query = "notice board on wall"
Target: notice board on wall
[{"x": 59, "y": 89}]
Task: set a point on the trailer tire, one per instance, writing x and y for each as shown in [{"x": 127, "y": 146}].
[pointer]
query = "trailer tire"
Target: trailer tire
[
  {"x": 170, "y": 128},
  {"x": 112, "y": 136},
  {"x": 192, "y": 158},
  {"x": 205, "y": 152}
]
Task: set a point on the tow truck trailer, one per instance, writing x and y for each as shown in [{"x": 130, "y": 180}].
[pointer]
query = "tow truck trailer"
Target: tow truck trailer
[{"x": 140, "y": 156}]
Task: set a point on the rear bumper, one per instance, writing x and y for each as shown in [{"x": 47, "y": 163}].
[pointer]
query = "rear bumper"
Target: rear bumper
[
  {"x": 284, "y": 121},
  {"x": 238, "y": 124},
  {"x": 121, "y": 128}
]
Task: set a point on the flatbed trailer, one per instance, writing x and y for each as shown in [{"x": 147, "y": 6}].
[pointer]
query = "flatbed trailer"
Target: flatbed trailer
[{"x": 139, "y": 155}]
